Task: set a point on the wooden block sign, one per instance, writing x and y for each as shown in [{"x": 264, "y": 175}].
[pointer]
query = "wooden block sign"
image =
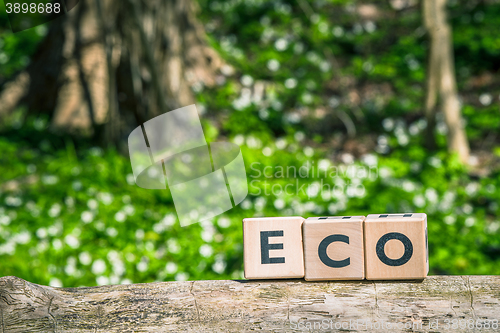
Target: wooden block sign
[
  {"x": 272, "y": 247},
  {"x": 333, "y": 248},
  {"x": 378, "y": 247},
  {"x": 396, "y": 246}
]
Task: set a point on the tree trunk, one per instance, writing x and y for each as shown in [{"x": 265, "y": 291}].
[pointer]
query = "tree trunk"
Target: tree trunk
[
  {"x": 441, "y": 79},
  {"x": 435, "y": 304},
  {"x": 107, "y": 66}
]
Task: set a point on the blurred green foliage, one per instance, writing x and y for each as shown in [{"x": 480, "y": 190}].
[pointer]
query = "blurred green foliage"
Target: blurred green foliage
[
  {"x": 16, "y": 48},
  {"x": 71, "y": 214}
]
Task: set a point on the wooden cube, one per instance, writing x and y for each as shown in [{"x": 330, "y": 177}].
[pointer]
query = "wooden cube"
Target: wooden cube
[
  {"x": 396, "y": 246},
  {"x": 333, "y": 248},
  {"x": 272, "y": 247}
]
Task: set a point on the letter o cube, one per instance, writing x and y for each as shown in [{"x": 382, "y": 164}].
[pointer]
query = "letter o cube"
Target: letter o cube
[{"x": 396, "y": 246}]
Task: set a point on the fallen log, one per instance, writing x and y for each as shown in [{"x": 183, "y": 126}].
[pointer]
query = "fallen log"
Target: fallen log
[{"x": 470, "y": 302}]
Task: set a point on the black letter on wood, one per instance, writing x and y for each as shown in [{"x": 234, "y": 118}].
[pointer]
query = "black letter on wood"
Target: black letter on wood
[
  {"x": 265, "y": 247},
  {"x": 400, "y": 237},
  {"x": 323, "y": 256}
]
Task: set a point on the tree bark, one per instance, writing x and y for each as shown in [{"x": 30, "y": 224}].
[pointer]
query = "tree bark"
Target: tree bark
[
  {"x": 242, "y": 306},
  {"x": 107, "y": 66},
  {"x": 441, "y": 79}
]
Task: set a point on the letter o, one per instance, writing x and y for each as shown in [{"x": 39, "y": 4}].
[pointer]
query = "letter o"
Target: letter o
[{"x": 380, "y": 249}]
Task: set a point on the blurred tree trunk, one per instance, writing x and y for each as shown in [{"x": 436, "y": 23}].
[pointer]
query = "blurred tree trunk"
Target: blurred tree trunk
[
  {"x": 441, "y": 80},
  {"x": 107, "y": 66}
]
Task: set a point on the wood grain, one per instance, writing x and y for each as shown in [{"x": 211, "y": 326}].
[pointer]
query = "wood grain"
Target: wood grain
[{"x": 240, "y": 306}]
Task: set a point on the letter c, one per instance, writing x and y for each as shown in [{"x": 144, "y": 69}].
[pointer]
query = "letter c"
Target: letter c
[{"x": 323, "y": 256}]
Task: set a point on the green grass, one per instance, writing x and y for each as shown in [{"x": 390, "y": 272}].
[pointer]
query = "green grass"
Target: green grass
[{"x": 77, "y": 218}]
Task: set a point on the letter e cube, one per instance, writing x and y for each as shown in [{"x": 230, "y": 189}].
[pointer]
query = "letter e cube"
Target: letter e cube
[{"x": 272, "y": 247}]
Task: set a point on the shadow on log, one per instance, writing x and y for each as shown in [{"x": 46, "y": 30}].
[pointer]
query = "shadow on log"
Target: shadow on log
[{"x": 238, "y": 306}]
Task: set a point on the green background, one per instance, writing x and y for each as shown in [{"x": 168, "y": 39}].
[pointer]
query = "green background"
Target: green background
[{"x": 70, "y": 214}]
